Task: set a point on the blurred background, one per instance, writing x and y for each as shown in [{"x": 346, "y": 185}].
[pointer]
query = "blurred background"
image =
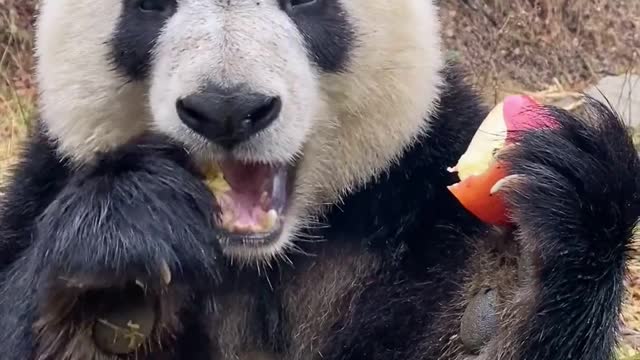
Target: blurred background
[{"x": 551, "y": 49}]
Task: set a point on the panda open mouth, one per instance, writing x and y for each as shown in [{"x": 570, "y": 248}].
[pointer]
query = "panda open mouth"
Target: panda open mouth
[{"x": 253, "y": 199}]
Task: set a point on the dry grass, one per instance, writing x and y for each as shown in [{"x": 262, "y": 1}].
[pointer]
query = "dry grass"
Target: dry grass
[
  {"x": 536, "y": 43},
  {"x": 17, "y": 93},
  {"x": 549, "y": 48}
]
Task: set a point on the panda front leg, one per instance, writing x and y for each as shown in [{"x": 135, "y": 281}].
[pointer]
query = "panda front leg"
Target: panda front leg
[
  {"x": 575, "y": 199},
  {"x": 115, "y": 259}
]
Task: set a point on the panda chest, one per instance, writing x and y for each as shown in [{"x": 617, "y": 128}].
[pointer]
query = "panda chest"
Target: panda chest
[{"x": 291, "y": 319}]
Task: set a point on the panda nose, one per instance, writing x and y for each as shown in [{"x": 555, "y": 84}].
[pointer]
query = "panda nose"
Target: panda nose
[{"x": 228, "y": 117}]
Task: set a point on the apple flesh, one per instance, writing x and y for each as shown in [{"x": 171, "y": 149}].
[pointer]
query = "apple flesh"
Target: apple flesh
[
  {"x": 474, "y": 193},
  {"x": 478, "y": 169}
]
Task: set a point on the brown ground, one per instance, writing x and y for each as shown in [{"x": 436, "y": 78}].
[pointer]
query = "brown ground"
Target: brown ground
[
  {"x": 552, "y": 48},
  {"x": 17, "y": 93},
  {"x": 533, "y": 44}
]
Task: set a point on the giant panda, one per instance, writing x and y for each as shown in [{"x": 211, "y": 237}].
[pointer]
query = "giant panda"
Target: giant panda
[{"x": 336, "y": 119}]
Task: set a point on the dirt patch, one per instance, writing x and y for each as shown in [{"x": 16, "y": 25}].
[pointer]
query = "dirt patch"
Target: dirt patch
[
  {"x": 16, "y": 34},
  {"x": 532, "y": 44},
  {"x": 17, "y": 90}
]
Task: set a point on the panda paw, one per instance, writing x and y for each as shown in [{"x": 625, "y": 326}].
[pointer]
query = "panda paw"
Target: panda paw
[
  {"x": 121, "y": 249},
  {"x": 573, "y": 194},
  {"x": 574, "y": 189}
]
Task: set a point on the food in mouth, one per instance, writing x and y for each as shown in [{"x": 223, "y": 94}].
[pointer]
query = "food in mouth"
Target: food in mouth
[
  {"x": 252, "y": 197},
  {"x": 481, "y": 174}
]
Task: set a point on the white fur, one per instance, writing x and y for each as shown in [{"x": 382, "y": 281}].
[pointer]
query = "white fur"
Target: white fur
[
  {"x": 344, "y": 128},
  {"x": 87, "y": 107}
]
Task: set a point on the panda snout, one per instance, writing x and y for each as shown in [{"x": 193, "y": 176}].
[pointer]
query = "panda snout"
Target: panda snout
[{"x": 228, "y": 117}]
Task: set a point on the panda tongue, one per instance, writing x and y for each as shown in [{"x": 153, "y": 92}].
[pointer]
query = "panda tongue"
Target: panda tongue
[{"x": 256, "y": 199}]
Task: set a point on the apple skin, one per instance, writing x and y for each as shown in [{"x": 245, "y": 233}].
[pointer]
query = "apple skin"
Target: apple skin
[
  {"x": 474, "y": 193},
  {"x": 478, "y": 169}
]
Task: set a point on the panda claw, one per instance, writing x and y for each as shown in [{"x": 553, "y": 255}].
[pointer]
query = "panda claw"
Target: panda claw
[
  {"x": 139, "y": 283},
  {"x": 165, "y": 272},
  {"x": 506, "y": 181}
]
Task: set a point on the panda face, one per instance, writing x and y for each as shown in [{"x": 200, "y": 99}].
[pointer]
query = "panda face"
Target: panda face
[
  {"x": 234, "y": 79},
  {"x": 297, "y": 101}
]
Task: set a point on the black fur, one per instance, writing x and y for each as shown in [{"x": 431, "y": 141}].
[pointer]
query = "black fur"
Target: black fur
[
  {"x": 401, "y": 261},
  {"x": 36, "y": 180},
  {"x": 576, "y": 208},
  {"x": 112, "y": 224},
  {"x": 327, "y": 31},
  {"x": 136, "y": 35}
]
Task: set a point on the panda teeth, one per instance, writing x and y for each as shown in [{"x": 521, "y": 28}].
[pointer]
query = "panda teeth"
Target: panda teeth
[
  {"x": 266, "y": 222},
  {"x": 165, "y": 272},
  {"x": 270, "y": 219}
]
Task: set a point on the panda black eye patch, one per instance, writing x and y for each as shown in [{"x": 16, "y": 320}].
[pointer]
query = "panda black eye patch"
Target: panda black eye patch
[
  {"x": 153, "y": 5},
  {"x": 136, "y": 33},
  {"x": 301, "y": 3},
  {"x": 326, "y": 29}
]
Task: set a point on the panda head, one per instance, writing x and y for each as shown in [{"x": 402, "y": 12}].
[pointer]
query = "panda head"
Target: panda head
[{"x": 303, "y": 100}]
